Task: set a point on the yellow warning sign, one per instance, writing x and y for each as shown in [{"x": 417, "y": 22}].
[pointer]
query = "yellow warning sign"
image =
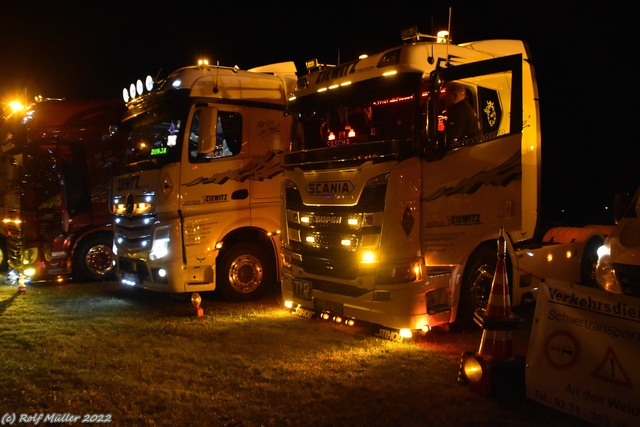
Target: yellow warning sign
[{"x": 582, "y": 354}]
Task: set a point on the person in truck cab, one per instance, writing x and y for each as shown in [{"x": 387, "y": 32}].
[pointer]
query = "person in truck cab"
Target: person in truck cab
[{"x": 459, "y": 117}]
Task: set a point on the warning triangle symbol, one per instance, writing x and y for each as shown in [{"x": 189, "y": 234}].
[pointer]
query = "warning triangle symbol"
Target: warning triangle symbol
[{"x": 611, "y": 370}]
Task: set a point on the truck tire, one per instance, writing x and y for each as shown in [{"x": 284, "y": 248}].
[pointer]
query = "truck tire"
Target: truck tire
[
  {"x": 93, "y": 260},
  {"x": 245, "y": 272},
  {"x": 4, "y": 266},
  {"x": 476, "y": 284}
]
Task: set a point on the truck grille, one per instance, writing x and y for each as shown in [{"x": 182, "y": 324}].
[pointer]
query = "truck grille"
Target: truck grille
[
  {"x": 133, "y": 233},
  {"x": 629, "y": 278},
  {"x": 321, "y": 247},
  {"x": 14, "y": 246}
]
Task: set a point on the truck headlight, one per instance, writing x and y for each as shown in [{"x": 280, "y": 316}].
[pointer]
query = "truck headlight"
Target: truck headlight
[
  {"x": 29, "y": 256},
  {"x": 605, "y": 274},
  {"x": 160, "y": 247}
]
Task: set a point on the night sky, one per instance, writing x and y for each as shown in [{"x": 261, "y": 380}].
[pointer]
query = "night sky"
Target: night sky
[{"x": 584, "y": 56}]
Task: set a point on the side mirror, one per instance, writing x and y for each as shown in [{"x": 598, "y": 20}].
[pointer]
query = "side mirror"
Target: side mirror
[
  {"x": 620, "y": 205},
  {"x": 208, "y": 120}
]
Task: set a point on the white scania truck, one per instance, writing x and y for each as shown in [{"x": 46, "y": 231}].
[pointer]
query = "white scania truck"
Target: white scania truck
[
  {"x": 618, "y": 268},
  {"x": 386, "y": 221},
  {"x": 198, "y": 208}
]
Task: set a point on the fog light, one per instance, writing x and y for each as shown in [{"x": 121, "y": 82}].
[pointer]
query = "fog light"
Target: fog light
[{"x": 406, "y": 333}]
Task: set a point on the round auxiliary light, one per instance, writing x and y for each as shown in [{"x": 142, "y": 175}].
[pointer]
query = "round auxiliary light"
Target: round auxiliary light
[
  {"x": 149, "y": 83},
  {"x": 125, "y": 95},
  {"x": 132, "y": 91},
  {"x": 139, "y": 87}
]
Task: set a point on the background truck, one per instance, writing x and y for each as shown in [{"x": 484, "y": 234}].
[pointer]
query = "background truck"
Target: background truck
[
  {"x": 3, "y": 235},
  {"x": 386, "y": 221},
  {"x": 58, "y": 159},
  {"x": 618, "y": 267},
  {"x": 198, "y": 207}
]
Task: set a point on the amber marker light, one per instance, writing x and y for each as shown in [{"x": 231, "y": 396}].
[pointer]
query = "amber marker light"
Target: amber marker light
[{"x": 196, "y": 300}]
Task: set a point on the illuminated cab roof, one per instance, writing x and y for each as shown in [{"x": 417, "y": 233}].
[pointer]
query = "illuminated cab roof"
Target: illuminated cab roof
[
  {"x": 261, "y": 84},
  {"x": 410, "y": 58}
]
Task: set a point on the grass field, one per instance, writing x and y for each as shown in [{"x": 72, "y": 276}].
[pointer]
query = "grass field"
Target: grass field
[{"x": 147, "y": 359}]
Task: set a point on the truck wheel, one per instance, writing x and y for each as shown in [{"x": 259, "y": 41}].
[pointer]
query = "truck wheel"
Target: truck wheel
[
  {"x": 244, "y": 273},
  {"x": 4, "y": 267},
  {"x": 93, "y": 260},
  {"x": 476, "y": 284},
  {"x": 589, "y": 261}
]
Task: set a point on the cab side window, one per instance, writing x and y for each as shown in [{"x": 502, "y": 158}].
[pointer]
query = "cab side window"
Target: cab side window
[
  {"x": 228, "y": 137},
  {"x": 229, "y": 133}
]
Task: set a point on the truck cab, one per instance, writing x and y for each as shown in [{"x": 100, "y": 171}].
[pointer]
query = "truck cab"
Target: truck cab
[
  {"x": 58, "y": 158},
  {"x": 618, "y": 267},
  {"x": 197, "y": 208}
]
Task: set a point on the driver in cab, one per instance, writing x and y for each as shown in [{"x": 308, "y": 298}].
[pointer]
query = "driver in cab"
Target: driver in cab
[{"x": 459, "y": 117}]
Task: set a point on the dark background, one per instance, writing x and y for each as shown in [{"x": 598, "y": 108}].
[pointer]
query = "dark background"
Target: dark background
[{"x": 584, "y": 53}]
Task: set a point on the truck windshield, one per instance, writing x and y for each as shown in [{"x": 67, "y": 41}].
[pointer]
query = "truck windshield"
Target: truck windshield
[
  {"x": 366, "y": 112},
  {"x": 154, "y": 137}
]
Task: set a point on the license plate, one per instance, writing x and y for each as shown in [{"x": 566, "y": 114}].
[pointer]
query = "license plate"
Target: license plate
[
  {"x": 302, "y": 289},
  {"x": 333, "y": 307}
]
